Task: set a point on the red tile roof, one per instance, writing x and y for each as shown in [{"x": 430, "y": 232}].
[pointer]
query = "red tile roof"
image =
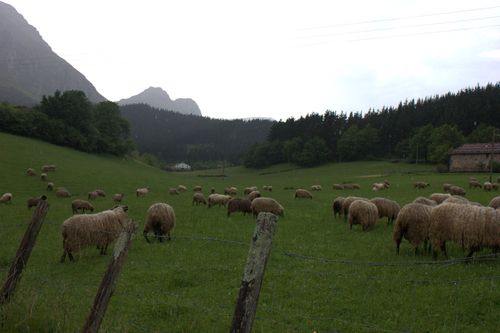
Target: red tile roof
[{"x": 477, "y": 148}]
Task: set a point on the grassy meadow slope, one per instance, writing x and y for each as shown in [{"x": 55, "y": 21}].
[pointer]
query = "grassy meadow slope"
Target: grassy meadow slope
[{"x": 351, "y": 282}]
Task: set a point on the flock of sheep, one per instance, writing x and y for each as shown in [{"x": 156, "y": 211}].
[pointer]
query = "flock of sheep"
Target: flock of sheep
[{"x": 429, "y": 220}]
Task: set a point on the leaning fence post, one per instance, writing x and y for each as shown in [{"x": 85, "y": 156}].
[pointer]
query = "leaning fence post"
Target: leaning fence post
[
  {"x": 108, "y": 282},
  {"x": 260, "y": 248},
  {"x": 24, "y": 251}
]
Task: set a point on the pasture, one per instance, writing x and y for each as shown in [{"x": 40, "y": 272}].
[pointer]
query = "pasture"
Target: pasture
[{"x": 321, "y": 276}]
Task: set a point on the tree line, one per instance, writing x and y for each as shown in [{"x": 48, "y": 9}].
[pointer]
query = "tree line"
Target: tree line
[
  {"x": 424, "y": 130},
  {"x": 70, "y": 119},
  {"x": 200, "y": 141}
]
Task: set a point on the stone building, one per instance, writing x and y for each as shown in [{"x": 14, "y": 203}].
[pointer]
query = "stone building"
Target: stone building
[{"x": 474, "y": 157}]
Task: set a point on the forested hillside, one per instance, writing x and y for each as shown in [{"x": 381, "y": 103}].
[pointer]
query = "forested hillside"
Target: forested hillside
[
  {"x": 171, "y": 136},
  {"x": 425, "y": 129}
]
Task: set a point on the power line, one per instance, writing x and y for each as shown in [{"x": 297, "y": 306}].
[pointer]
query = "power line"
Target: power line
[{"x": 403, "y": 18}]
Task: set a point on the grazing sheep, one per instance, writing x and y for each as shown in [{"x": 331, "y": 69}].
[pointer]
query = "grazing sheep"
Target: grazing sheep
[
  {"x": 199, "y": 198},
  {"x": 350, "y": 186},
  {"x": 173, "y": 191},
  {"x": 457, "y": 190},
  {"x": 6, "y": 198},
  {"x": 412, "y": 223},
  {"x": 379, "y": 186},
  {"x": 239, "y": 205},
  {"x": 92, "y": 195},
  {"x": 83, "y": 205},
  {"x": 495, "y": 203},
  {"x": 61, "y": 192},
  {"x": 118, "y": 197},
  {"x": 439, "y": 197},
  {"x": 362, "y": 212},
  {"x": 265, "y": 204},
  {"x": 446, "y": 187},
  {"x": 475, "y": 184},
  {"x": 142, "y": 192},
  {"x": 487, "y": 186},
  {"x": 218, "y": 199},
  {"x": 252, "y": 195},
  {"x": 247, "y": 190},
  {"x": 347, "y": 203},
  {"x": 386, "y": 208},
  {"x": 33, "y": 201},
  {"x": 470, "y": 227},
  {"x": 421, "y": 184},
  {"x": 43, "y": 176},
  {"x": 161, "y": 220},
  {"x": 425, "y": 201},
  {"x": 473, "y": 178},
  {"x": 181, "y": 188},
  {"x": 101, "y": 193},
  {"x": 197, "y": 188},
  {"x": 212, "y": 190},
  {"x": 337, "y": 206},
  {"x": 101, "y": 229},
  {"x": 231, "y": 190},
  {"x": 267, "y": 188},
  {"x": 50, "y": 186},
  {"x": 316, "y": 188},
  {"x": 30, "y": 172},
  {"x": 495, "y": 186},
  {"x": 47, "y": 168},
  {"x": 337, "y": 186},
  {"x": 304, "y": 194}
]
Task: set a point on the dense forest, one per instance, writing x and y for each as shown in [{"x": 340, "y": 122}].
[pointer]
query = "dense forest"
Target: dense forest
[
  {"x": 70, "y": 119},
  {"x": 425, "y": 130},
  {"x": 172, "y": 137}
]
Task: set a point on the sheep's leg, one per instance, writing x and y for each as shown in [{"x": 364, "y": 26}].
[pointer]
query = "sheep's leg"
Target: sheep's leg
[
  {"x": 63, "y": 257},
  {"x": 416, "y": 250},
  {"x": 145, "y": 234},
  {"x": 397, "y": 246},
  {"x": 443, "y": 249},
  {"x": 168, "y": 236}
]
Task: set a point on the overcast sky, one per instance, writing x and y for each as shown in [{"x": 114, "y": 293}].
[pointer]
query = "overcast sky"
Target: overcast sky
[{"x": 275, "y": 59}]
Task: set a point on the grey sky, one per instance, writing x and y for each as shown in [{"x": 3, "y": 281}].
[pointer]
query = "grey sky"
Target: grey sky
[{"x": 275, "y": 58}]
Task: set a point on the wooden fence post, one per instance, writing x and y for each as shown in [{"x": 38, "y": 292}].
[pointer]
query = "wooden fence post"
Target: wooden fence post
[
  {"x": 108, "y": 282},
  {"x": 260, "y": 248},
  {"x": 24, "y": 251}
]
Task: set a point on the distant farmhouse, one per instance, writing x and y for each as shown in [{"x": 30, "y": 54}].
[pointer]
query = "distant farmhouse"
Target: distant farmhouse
[
  {"x": 181, "y": 167},
  {"x": 474, "y": 157}
]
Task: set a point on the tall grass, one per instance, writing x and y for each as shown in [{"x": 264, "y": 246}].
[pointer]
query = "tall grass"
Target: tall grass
[{"x": 321, "y": 276}]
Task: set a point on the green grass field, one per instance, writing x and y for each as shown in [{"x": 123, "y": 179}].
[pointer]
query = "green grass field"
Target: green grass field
[{"x": 352, "y": 281}]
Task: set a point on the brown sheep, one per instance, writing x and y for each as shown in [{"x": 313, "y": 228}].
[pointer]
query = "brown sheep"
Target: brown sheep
[
  {"x": 197, "y": 188},
  {"x": 316, "y": 188},
  {"x": 487, "y": 186},
  {"x": 218, "y": 199},
  {"x": 421, "y": 184},
  {"x": 439, "y": 197},
  {"x": 231, "y": 190},
  {"x": 101, "y": 229},
  {"x": 101, "y": 193},
  {"x": 61, "y": 192},
  {"x": 347, "y": 203},
  {"x": 247, "y": 190},
  {"x": 252, "y": 195},
  {"x": 337, "y": 206},
  {"x": 475, "y": 184},
  {"x": 337, "y": 186},
  {"x": 47, "y": 168},
  {"x": 446, "y": 187},
  {"x": 173, "y": 191},
  {"x": 470, "y": 227},
  {"x": 83, "y": 205},
  {"x": 142, "y": 192},
  {"x": 386, "y": 208},
  {"x": 304, "y": 194},
  {"x": 30, "y": 172},
  {"x": 199, "y": 198},
  {"x": 43, "y": 176},
  {"x": 161, "y": 220},
  {"x": 269, "y": 205},
  {"x": 457, "y": 190},
  {"x": 92, "y": 195},
  {"x": 239, "y": 205},
  {"x": 362, "y": 212},
  {"x": 413, "y": 224},
  {"x": 379, "y": 186},
  {"x": 6, "y": 198},
  {"x": 33, "y": 201},
  {"x": 50, "y": 186}
]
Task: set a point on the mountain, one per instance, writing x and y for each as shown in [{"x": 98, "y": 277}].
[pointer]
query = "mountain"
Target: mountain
[
  {"x": 159, "y": 98},
  {"x": 29, "y": 68}
]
